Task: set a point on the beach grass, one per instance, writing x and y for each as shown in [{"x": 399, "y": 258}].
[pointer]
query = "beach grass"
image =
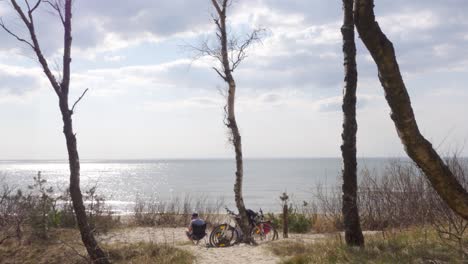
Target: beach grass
[{"x": 410, "y": 246}]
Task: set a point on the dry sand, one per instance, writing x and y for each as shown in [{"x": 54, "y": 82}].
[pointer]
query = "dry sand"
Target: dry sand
[{"x": 242, "y": 253}]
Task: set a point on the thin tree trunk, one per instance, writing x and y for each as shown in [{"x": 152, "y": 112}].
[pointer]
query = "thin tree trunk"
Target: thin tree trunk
[
  {"x": 93, "y": 249},
  {"x": 62, "y": 91},
  {"x": 236, "y": 140},
  {"x": 353, "y": 232},
  {"x": 87, "y": 236},
  {"x": 416, "y": 146},
  {"x": 232, "y": 123}
]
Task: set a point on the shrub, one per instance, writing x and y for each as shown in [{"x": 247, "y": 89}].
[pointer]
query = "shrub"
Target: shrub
[{"x": 298, "y": 222}]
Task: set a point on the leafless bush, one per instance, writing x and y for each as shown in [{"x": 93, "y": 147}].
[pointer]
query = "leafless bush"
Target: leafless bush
[
  {"x": 450, "y": 226},
  {"x": 14, "y": 209},
  {"x": 328, "y": 202},
  {"x": 400, "y": 197},
  {"x": 396, "y": 199},
  {"x": 40, "y": 209}
]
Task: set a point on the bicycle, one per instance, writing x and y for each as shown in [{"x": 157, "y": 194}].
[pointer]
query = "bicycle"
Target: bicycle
[
  {"x": 225, "y": 235},
  {"x": 263, "y": 230}
]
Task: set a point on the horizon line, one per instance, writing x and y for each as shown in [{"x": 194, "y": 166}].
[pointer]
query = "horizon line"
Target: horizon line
[{"x": 200, "y": 158}]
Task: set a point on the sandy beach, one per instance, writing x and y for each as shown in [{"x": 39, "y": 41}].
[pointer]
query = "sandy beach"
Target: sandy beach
[{"x": 204, "y": 255}]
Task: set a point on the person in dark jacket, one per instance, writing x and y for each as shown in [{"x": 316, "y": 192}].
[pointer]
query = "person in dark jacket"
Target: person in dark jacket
[{"x": 196, "y": 228}]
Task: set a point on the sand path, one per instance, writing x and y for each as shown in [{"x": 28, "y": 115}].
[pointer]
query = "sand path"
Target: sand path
[{"x": 176, "y": 236}]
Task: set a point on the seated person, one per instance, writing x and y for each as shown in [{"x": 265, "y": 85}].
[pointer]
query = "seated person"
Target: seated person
[{"x": 196, "y": 229}]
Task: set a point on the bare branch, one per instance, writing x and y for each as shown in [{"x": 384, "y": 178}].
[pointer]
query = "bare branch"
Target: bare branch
[
  {"x": 79, "y": 99},
  {"x": 218, "y": 25},
  {"x": 27, "y": 4},
  {"x": 36, "y": 6},
  {"x": 21, "y": 13},
  {"x": 35, "y": 44},
  {"x": 57, "y": 8},
  {"x": 14, "y": 35},
  {"x": 31, "y": 10},
  {"x": 255, "y": 36},
  {"x": 220, "y": 74},
  {"x": 216, "y": 5}
]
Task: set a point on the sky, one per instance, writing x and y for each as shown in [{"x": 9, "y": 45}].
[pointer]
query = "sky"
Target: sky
[{"x": 149, "y": 98}]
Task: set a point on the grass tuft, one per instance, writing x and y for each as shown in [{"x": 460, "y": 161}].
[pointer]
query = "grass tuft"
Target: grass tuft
[{"x": 148, "y": 253}]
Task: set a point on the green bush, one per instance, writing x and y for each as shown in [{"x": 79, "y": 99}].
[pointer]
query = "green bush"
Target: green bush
[{"x": 297, "y": 222}]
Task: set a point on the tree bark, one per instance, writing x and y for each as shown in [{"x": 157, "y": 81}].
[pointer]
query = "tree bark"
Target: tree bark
[
  {"x": 94, "y": 251},
  {"x": 231, "y": 118},
  {"x": 236, "y": 139},
  {"x": 416, "y": 146},
  {"x": 353, "y": 232},
  {"x": 62, "y": 90}
]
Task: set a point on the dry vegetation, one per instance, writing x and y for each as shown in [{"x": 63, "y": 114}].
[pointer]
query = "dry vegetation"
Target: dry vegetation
[
  {"x": 410, "y": 246},
  {"x": 65, "y": 246},
  {"x": 176, "y": 213}
]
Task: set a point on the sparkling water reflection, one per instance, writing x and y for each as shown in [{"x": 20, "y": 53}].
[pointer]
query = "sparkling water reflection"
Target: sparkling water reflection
[{"x": 121, "y": 182}]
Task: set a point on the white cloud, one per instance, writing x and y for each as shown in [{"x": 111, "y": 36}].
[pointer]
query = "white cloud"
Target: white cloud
[
  {"x": 443, "y": 50},
  {"x": 296, "y": 74},
  {"x": 409, "y": 21},
  {"x": 19, "y": 80},
  {"x": 333, "y": 104},
  {"x": 114, "y": 58},
  {"x": 184, "y": 104}
]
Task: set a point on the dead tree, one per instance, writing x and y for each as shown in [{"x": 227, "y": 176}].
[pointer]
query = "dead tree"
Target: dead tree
[
  {"x": 353, "y": 232},
  {"x": 417, "y": 147},
  {"x": 230, "y": 51},
  {"x": 61, "y": 88}
]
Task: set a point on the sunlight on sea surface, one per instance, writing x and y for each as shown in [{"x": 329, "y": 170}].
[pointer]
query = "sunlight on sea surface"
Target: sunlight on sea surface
[{"x": 121, "y": 182}]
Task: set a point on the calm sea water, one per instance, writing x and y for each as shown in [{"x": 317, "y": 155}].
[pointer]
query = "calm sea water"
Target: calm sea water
[{"x": 121, "y": 182}]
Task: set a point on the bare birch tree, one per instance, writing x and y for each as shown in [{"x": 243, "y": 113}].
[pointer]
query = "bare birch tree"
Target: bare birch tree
[
  {"x": 230, "y": 51},
  {"x": 61, "y": 88},
  {"x": 353, "y": 232},
  {"x": 417, "y": 147}
]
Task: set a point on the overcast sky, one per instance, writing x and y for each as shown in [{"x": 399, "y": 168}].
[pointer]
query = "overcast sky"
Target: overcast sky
[{"x": 148, "y": 98}]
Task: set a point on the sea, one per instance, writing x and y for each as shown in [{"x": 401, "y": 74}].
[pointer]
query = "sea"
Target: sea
[{"x": 123, "y": 182}]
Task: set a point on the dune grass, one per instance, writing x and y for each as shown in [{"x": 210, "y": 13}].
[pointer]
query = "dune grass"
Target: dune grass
[
  {"x": 413, "y": 246},
  {"x": 64, "y": 246}
]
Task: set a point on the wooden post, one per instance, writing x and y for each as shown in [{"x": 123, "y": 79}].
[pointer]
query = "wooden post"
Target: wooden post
[{"x": 284, "y": 198}]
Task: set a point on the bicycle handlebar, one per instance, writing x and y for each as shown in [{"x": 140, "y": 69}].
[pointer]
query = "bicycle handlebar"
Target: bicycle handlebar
[
  {"x": 229, "y": 211},
  {"x": 235, "y": 215}
]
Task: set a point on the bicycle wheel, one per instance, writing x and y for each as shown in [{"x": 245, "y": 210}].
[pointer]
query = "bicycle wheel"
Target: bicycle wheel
[
  {"x": 223, "y": 236},
  {"x": 264, "y": 232}
]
